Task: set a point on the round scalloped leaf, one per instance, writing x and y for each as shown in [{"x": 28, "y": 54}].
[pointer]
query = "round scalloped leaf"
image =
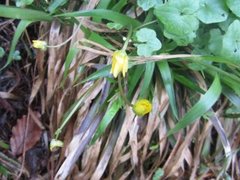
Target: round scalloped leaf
[
  {"x": 180, "y": 23},
  {"x": 212, "y": 11},
  {"x": 147, "y": 4},
  {"x": 234, "y": 5},
  {"x": 231, "y": 42},
  {"x": 148, "y": 42}
]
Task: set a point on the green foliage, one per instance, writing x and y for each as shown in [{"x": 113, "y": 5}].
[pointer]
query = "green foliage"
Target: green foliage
[
  {"x": 212, "y": 11},
  {"x": 168, "y": 82},
  {"x": 234, "y": 6},
  {"x": 158, "y": 174},
  {"x": 147, "y": 42},
  {"x": 231, "y": 42},
  {"x": 147, "y": 4},
  {"x": 179, "y": 20},
  {"x": 23, "y": 3},
  {"x": 108, "y": 117},
  {"x": 201, "y": 107}
]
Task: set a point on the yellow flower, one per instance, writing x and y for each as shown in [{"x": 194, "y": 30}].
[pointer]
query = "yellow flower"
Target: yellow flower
[
  {"x": 40, "y": 44},
  {"x": 55, "y": 144},
  {"x": 142, "y": 107},
  {"x": 119, "y": 63}
]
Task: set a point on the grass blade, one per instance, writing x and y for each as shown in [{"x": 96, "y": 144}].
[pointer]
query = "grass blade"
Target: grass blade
[
  {"x": 104, "y": 14},
  {"x": 20, "y": 28},
  {"x": 24, "y": 14},
  {"x": 201, "y": 107},
  {"x": 168, "y": 83}
]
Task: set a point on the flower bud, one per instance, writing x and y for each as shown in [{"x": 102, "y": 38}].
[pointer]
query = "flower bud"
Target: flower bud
[
  {"x": 142, "y": 107},
  {"x": 119, "y": 63},
  {"x": 40, "y": 44}
]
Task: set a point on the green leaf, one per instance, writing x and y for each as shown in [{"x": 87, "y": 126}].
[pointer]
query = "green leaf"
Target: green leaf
[
  {"x": 16, "y": 56},
  {"x": 55, "y": 5},
  {"x": 105, "y": 14},
  {"x": 147, "y": 78},
  {"x": 158, "y": 174},
  {"x": 201, "y": 107},
  {"x": 107, "y": 118},
  {"x": 215, "y": 41},
  {"x": 104, "y": 72},
  {"x": 147, "y": 4},
  {"x": 212, "y": 11},
  {"x": 116, "y": 26},
  {"x": 168, "y": 83},
  {"x": 99, "y": 39},
  {"x": 148, "y": 42},
  {"x": 180, "y": 23},
  {"x": 231, "y": 42},
  {"x": 24, "y": 14},
  {"x": 23, "y": 3},
  {"x": 234, "y": 6},
  {"x": 18, "y": 32},
  {"x": 70, "y": 56}
]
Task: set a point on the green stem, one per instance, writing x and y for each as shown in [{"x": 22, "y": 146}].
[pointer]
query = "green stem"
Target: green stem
[
  {"x": 128, "y": 38},
  {"x": 147, "y": 24},
  {"x": 122, "y": 92}
]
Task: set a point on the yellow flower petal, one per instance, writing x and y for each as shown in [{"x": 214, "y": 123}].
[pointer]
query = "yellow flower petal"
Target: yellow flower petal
[
  {"x": 40, "y": 44},
  {"x": 119, "y": 63},
  {"x": 142, "y": 107}
]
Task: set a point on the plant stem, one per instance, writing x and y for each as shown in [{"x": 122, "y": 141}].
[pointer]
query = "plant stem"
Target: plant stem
[
  {"x": 122, "y": 92},
  {"x": 128, "y": 38}
]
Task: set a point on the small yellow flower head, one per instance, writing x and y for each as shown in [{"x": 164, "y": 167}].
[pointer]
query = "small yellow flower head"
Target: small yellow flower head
[
  {"x": 40, "y": 44},
  {"x": 55, "y": 144},
  {"x": 142, "y": 107},
  {"x": 119, "y": 63}
]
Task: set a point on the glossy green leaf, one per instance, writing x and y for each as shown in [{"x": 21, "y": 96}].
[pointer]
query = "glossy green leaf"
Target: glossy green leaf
[
  {"x": 231, "y": 42},
  {"x": 234, "y": 5},
  {"x": 168, "y": 84},
  {"x": 104, "y": 14},
  {"x": 201, "y": 107},
  {"x": 212, "y": 11},
  {"x": 180, "y": 23},
  {"x": 147, "y": 4},
  {"x": 147, "y": 42},
  {"x": 24, "y": 14}
]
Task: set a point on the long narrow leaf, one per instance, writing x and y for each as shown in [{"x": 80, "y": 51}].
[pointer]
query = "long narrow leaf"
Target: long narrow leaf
[
  {"x": 168, "y": 83},
  {"x": 201, "y": 107},
  {"x": 105, "y": 14},
  {"x": 20, "y": 28},
  {"x": 24, "y": 14}
]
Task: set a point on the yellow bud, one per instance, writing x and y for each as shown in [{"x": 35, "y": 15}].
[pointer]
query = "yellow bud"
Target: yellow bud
[
  {"x": 142, "y": 107},
  {"x": 40, "y": 44},
  {"x": 119, "y": 63},
  {"x": 55, "y": 144}
]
